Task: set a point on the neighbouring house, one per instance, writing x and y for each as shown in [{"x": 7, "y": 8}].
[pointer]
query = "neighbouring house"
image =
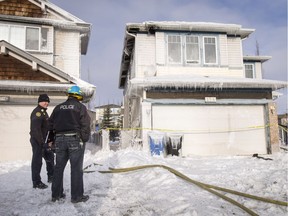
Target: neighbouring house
[
  {"x": 191, "y": 80},
  {"x": 116, "y": 112},
  {"x": 283, "y": 131},
  {"x": 40, "y": 51}
]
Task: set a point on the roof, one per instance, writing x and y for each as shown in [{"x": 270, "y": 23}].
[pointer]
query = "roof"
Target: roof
[
  {"x": 257, "y": 58},
  {"x": 151, "y": 27},
  {"x": 65, "y": 21},
  {"x": 65, "y": 80},
  {"x": 137, "y": 85}
]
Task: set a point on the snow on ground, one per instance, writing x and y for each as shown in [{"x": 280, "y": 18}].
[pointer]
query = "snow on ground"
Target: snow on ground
[{"x": 153, "y": 191}]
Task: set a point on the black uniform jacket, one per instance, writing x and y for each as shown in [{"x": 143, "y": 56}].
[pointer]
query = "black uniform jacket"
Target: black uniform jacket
[
  {"x": 71, "y": 116},
  {"x": 39, "y": 124}
]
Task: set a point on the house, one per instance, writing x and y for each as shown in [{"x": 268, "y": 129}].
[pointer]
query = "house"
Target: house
[
  {"x": 191, "y": 80},
  {"x": 40, "y": 50},
  {"x": 115, "y": 112},
  {"x": 283, "y": 123}
]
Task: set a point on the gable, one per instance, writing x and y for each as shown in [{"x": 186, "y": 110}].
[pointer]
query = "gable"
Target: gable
[
  {"x": 14, "y": 69},
  {"x": 22, "y": 8}
]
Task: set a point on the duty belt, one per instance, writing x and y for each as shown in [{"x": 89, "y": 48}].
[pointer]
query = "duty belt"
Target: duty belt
[{"x": 66, "y": 134}]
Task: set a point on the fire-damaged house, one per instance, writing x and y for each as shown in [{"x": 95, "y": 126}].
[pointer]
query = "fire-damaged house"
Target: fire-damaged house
[
  {"x": 40, "y": 50},
  {"x": 191, "y": 80}
]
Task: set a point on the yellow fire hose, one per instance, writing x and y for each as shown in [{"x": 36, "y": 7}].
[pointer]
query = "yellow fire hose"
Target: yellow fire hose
[{"x": 203, "y": 186}]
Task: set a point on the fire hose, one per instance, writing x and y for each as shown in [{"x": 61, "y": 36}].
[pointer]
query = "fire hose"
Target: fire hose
[{"x": 211, "y": 188}]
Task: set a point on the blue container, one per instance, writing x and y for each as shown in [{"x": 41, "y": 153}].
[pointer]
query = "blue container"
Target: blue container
[{"x": 157, "y": 144}]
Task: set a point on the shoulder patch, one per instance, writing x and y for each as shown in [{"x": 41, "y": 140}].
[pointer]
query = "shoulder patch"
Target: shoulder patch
[{"x": 38, "y": 114}]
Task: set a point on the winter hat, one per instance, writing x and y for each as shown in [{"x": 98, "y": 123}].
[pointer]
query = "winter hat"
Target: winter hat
[{"x": 43, "y": 97}]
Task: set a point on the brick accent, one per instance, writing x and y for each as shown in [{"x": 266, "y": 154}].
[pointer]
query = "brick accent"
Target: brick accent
[
  {"x": 13, "y": 69},
  {"x": 20, "y": 8}
]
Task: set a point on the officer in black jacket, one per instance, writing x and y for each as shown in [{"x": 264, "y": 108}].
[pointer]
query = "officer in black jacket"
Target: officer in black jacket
[
  {"x": 71, "y": 124},
  {"x": 38, "y": 129}
]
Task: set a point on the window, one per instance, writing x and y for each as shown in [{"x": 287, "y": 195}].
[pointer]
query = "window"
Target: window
[
  {"x": 32, "y": 38},
  {"x": 191, "y": 49},
  {"x": 24, "y": 37},
  {"x": 174, "y": 49},
  {"x": 249, "y": 71},
  {"x": 210, "y": 56}
]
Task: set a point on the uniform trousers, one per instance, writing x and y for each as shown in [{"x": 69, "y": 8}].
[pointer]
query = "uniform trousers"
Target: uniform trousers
[
  {"x": 37, "y": 154},
  {"x": 68, "y": 147}
]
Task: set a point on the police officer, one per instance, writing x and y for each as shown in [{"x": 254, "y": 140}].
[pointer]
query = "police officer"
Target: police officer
[
  {"x": 38, "y": 129},
  {"x": 71, "y": 124}
]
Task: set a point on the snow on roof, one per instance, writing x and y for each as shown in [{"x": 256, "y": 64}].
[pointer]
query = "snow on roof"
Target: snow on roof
[
  {"x": 231, "y": 29},
  {"x": 203, "y": 82},
  {"x": 34, "y": 86}
]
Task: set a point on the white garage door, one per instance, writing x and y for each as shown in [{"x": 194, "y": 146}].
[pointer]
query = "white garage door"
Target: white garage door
[{"x": 214, "y": 129}]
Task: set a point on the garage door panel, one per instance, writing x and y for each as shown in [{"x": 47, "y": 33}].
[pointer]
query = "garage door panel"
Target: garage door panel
[{"x": 215, "y": 129}]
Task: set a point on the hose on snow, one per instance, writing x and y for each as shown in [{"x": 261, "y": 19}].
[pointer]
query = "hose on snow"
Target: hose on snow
[{"x": 208, "y": 187}]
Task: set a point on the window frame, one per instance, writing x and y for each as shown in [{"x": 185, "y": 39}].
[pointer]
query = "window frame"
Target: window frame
[
  {"x": 39, "y": 38},
  {"x": 202, "y": 59},
  {"x": 197, "y": 61},
  {"x": 181, "y": 49},
  {"x": 253, "y": 70},
  {"x": 22, "y": 44},
  {"x": 204, "y": 51}
]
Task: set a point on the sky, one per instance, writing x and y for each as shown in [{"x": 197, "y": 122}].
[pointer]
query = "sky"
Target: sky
[
  {"x": 152, "y": 191},
  {"x": 101, "y": 65}
]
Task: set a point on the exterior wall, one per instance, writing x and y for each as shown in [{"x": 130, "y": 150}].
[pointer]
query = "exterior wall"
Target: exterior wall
[
  {"x": 67, "y": 52},
  {"x": 160, "y": 48},
  {"x": 258, "y": 70},
  {"x": 273, "y": 127},
  {"x": 235, "y": 55},
  {"x": 151, "y": 58},
  {"x": 15, "y": 128},
  {"x": 223, "y": 50},
  {"x": 145, "y": 55}
]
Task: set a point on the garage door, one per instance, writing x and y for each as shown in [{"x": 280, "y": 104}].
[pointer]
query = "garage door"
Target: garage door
[{"x": 214, "y": 129}]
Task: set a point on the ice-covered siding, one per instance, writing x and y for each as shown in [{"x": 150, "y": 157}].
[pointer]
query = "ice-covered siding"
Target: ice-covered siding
[
  {"x": 258, "y": 70},
  {"x": 235, "y": 56},
  {"x": 145, "y": 55},
  {"x": 67, "y": 51},
  {"x": 160, "y": 48},
  {"x": 151, "y": 58}
]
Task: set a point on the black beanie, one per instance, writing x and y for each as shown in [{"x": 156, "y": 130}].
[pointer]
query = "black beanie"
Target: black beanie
[{"x": 43, "y": 97}]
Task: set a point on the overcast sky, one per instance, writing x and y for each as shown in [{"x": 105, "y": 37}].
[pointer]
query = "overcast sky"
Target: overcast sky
[{"x": 101, "y": 65}]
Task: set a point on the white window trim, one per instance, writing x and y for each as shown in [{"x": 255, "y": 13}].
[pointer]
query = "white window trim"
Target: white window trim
[
  {"x": 216, "y": 50},
  {"x": 199, "y": 51},
  {"x": 253, "y": 70},
  {"x": 39, "y": 38},
  {"x": 181, "y": 51},
  {"x": 24, "y": 36}
]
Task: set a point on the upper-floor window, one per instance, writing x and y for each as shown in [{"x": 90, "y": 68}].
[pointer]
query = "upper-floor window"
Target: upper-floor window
[
  {"x": 191, "y": 49},
  {"x": 210, "y": 55},
  {"x": 249, "y": 71},
  {"x": 25, "y": 37}
]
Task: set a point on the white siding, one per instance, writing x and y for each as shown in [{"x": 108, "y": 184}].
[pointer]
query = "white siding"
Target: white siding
[
  {"x": 235, "y": 53},
  {"x": 145, "y": 55},
  {"x": 199, "y": 71},
  {"x": 15, "y": 129},
  {"x": 223, "y": 50},
  {"x": 67, "y": 52},
  {"x": 258, "y": 70},
  {"x": 48, "y": 58},
  {"x": 160, "y": 48}
]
